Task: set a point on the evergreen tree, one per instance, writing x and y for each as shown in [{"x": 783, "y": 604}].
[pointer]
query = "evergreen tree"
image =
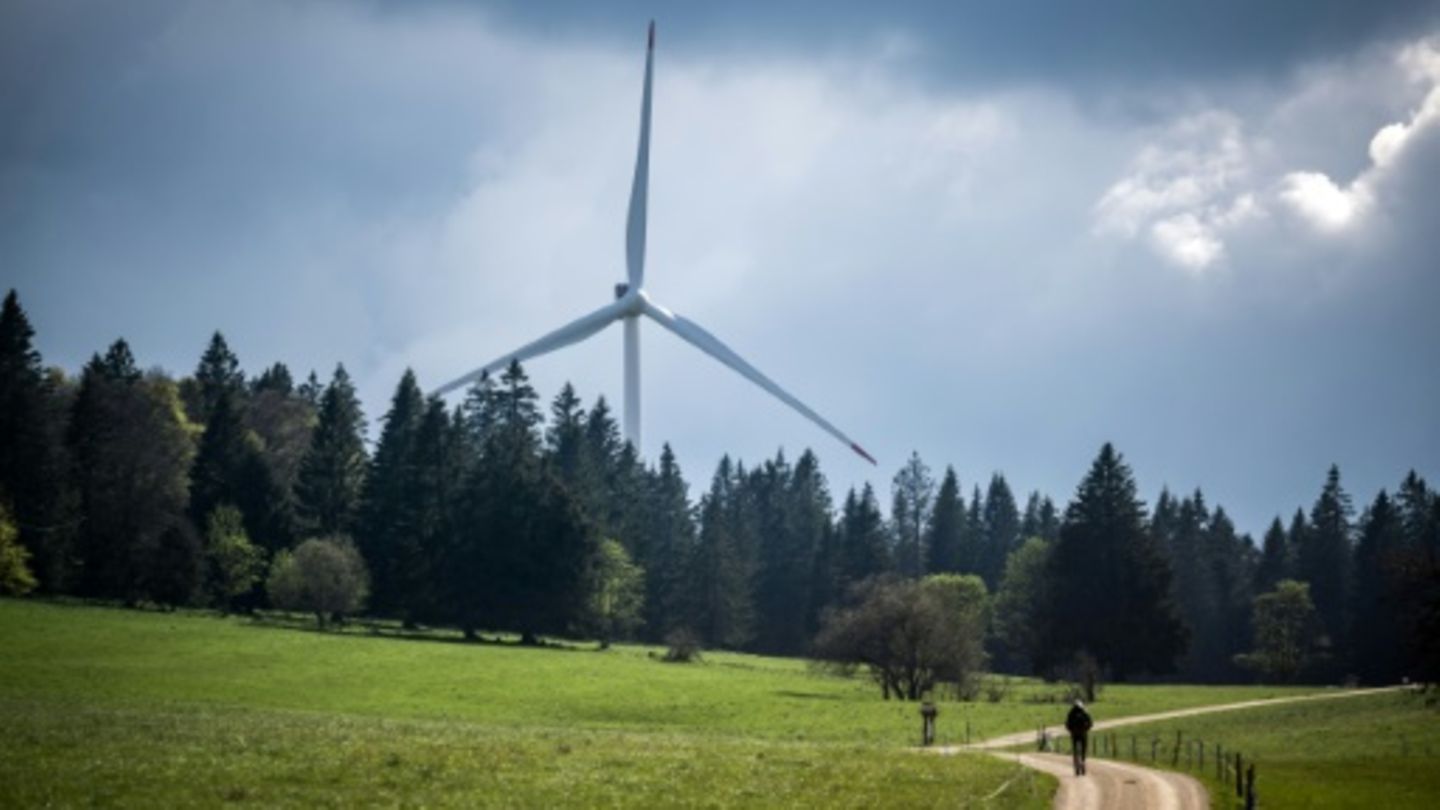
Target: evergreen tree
[
  {"x": 276, "y": 378},
  {"x": 565, "y": 442},
  {"x": 32, "y": 452},
  {"x": 329, "y": 482},
  {"x": 1275, "y": 563},
  {"x": 1110, "y": 586},
  {"x": 913, "y": 490},
  {"x": 863, "y": 547},
  {"x": 946, "y": 531},
  {"x": 720, "y": 609},
  {"x": 217, "y": 375},
  {"x": 1379, "y": 654},
  {"x": 1040, "y": 519},
  {"x": 387, "y": 533},
  {"x": 1001, "y": 532},
  {"x": 131, "y": 446},
  {"x": 671, "y": 542},
  {"x": 972, "y": 540},
  {"x": 1323, "y": 559}
]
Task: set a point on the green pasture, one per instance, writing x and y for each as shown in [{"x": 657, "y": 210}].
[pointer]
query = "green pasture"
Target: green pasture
[
  {"x": 1378, "y": 750},
  {"x": 121, "y": 707}
]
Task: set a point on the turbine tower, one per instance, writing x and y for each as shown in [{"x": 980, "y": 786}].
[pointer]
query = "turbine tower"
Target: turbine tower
[{"x": 631, "y": 302}]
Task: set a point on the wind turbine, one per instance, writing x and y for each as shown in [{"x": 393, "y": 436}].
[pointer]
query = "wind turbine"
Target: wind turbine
[{"x": 631, "y": 302}]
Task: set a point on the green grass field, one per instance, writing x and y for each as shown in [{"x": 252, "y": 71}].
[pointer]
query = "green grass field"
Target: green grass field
[
  {"x": 1372, "y": 751},
  {"x": 119, "y": 707}
]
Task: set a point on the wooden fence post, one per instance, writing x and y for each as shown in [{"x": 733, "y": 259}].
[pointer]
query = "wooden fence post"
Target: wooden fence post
[
  {"x": 1175, "y": 756},
  {"x": 1239, "y": 777},
  {"x": 1250, "y": 787}
]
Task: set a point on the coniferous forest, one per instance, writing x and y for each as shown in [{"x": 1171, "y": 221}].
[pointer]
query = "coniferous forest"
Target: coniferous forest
[{"x": 242, "y": 492}]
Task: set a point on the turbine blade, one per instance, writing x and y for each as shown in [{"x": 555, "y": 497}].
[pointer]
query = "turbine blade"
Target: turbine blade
[
  {"x": 639, "y": 190},
  {"x": 573, "y": 332},
  {"x": 695, "y": 335}
]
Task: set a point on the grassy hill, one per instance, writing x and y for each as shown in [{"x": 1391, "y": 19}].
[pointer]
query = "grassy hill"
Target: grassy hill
[{"x": 130, "y": 708}]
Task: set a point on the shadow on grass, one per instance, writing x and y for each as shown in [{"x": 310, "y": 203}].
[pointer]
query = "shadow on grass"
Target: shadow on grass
[
  {"x": 807, "y": 695},
  {"x": 378, "y": 629}
]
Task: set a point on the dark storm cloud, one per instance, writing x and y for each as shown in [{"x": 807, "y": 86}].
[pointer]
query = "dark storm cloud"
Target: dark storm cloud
[{"x": 896, "y": 213}]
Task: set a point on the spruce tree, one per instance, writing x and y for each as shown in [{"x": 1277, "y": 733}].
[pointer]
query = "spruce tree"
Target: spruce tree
[
  {"x": 1001, "y": 532},
  {"x": 331, "y": 477},
  {"x": 32, "y": 451},
  {"x": 1379, "y": 654},
  {"x": 671, "y": 543},
  {"x": 720, "y": 607},
  {"x": 863, "y": 545},
  {"x": 132, "y": 448},
  {"x": 913, "y": 490},
  {"x": 217, "y": 374},
  {"x": 1110, "y": 590},
  {"x": 1275, "y": 562},
  {"x": 387, "y": 532},
  {"x": 1323, "y": 559},
  {"x": 946, "y": 529}
]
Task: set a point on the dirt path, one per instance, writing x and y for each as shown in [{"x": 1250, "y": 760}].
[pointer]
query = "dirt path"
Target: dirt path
[
  {"x": 1110, "y": 785},
  {"x": 1028, "y": 737},
  {"x": 1114, "y": 785}
]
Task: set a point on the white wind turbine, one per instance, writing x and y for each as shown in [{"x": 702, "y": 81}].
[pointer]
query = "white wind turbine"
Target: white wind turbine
[{"x": 631, "y": 302}]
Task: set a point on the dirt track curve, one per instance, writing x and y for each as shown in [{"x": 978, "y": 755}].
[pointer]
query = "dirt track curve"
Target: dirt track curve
[{"x": 1120, "y": 785}]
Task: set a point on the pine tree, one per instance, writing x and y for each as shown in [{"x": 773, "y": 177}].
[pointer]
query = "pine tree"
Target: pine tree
[
  {"x": 217, "y": 375},
  {"x": 132, "y": 447},
  {"x": 1001, "y": 532},
  {"x": 863, "y": 546},
  {"x": 720, "y": 609},
  {"x": 1323, "y": 559},
  {"x": 331, "y": 477},
  {"x": 387, "y": 533},
  {"x": 1375, "y": 610},
  {"x": 32, "y": 451},
  {"x": 1275, "y": 562},
  {"x": 946, "y": 529},
  {"x": 671, "y": 543},
  {"x": 913, "y": 490},
  {"x": 1110, "y": 586}
]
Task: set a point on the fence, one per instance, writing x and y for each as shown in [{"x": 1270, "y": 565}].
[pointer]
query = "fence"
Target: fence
[{"x": 1230, "y": 767}]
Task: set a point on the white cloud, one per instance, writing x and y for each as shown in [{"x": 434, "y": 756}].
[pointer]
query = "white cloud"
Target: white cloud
[
  {"x": 1181, "y": 190},
  {"x": 1330, "y": 207},
  {"x": 1325, "y": 205},
  {"x": 1187, "y": 240}
]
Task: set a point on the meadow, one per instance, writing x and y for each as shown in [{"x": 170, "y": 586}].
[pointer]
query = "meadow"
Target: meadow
[
  {"x": 1377, "y": 750},
  {"x": 124, "y": 708}
]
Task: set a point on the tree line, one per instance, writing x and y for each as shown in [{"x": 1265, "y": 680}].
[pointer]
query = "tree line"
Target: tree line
[{"x": 503, "y": 514}]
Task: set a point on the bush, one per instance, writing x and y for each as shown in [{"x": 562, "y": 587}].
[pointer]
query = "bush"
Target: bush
[
  {"x": 15, "y": 576},
  {"x": 324, "y": 576},
  {"x": 684, "y": 646}
]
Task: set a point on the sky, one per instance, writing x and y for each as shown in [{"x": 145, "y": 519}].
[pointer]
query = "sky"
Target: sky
[{"x": 998, "y": 235}]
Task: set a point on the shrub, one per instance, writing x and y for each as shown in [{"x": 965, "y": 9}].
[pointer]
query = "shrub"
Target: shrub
[{"x": 324, "y": 576}]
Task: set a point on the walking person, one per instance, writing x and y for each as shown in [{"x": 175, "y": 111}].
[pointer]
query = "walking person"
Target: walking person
[{"x": 1078, "y": 723}]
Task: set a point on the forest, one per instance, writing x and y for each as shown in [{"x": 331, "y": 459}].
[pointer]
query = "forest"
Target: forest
[{"x": 242, "y": 492}]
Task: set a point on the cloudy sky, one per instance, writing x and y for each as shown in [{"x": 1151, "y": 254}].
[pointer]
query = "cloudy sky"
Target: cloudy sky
[{"x": 998, "y": 234}]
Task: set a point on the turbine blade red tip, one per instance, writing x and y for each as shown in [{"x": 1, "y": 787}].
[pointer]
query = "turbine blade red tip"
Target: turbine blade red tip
[{"x": 857, "y": 448}]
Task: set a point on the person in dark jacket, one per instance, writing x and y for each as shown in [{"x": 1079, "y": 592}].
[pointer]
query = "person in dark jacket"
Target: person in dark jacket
[{"x": 1078, "y": 723}]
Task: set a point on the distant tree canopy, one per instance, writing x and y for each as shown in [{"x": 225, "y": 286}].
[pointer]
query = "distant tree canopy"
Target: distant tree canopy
[{"x": 133, "y": 486}]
